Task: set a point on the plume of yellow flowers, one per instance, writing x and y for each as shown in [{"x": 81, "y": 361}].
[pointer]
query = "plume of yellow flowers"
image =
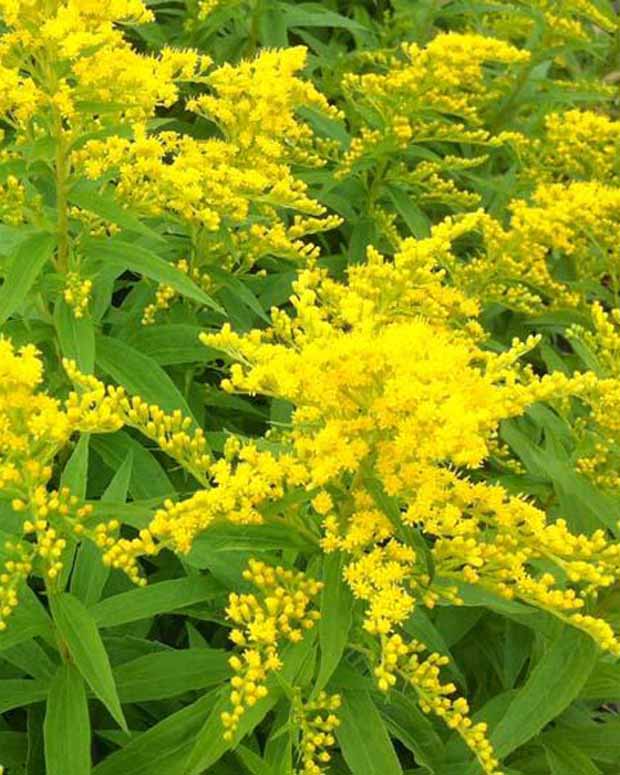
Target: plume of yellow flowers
[
  {"x": 34, "y": 428},
  {"x": 397, "y": 410},
  {"x": 72, "y": 79},
  {"x": 425, "y": 95},
  {"x": 573, "y": 20},
  {"x": 316, "y": 720},
  {"x": 558, "y": 248},
  {"x": 280, "y": 612}
]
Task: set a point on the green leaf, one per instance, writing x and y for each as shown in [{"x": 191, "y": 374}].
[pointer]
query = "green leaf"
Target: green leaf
[
  {"x": 170, "y": 673},
  {"x": 78, "y": 630},
  {"x": 210, "y": 746},
  {"x": 584, "y": 507},
  {"x": 417, "y": 221},
  {"x": 240, "y": 538},
  {"x": 599, "y": 740},
  {"x": 551, "y": 687},
  {"x": 252, "y": 761},
  {"x": 17, "y": 692},
  {"x": 24, "y": 265},
  {"x": 363, "y": 738},
  {"x": 75, "y": 473},
  {"x": 31, "y": 659},
  {"x": 126, "y": 255},
  {"x": 139, "y": 375},
  {"x": 239, "y": 291},
  {"x": 28, "y": 620},
  {"x": 13, "y": 749},
  {"x": 76, "y": 337},
  {"x": 67, "y": 725},
  {"x": 406, "y": 722},
  {"x": 35, "y": 721},
  {"x": 74, "y": 476},
  {"x": 148, "y": 478},
  {"x": 85, "y": 195},
  {"x": 603, "y": 683},
  {"x": 566, "y": 759},
  {"x": 172, "y": 343},
  {"x": 143, "y": 603},
  {"x": 165, "y": 746},
  {"x": 336, "y": 616},
  {"x": 316, "y": 15},
  {"x": 420, "y": 627},
  {"x": 89, "y": 573}
]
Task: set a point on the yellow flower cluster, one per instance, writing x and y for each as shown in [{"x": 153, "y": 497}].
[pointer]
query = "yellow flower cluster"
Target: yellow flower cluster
[
  {"x": 166, "y": 294},
  {"x": 397, "y": 406},
  {"x": 12, "y": 201},
  {"x": 240, "y": 487},
  {"x": 231, "y": 192},
  {"x": 316, "y": 721},
  {"x": 402, "y": 659},
  {"x": 436, "y": 93},
  {"x": 33, "y": 428},
  {"x": 600, "y": 449},
  {"x": 77, "y": 293},
  {"x": 550, "y": 254},
  {"x": 566, "y": 22},
  {"x": 280, "y": 612},
  {"x": 581, "y": 144},
  {"x": 58, "y": 55},
  {"x": 93, "y": 407}
]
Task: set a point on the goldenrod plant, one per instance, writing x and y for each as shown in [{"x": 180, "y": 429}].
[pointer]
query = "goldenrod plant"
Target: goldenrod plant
[{"x": 309, "y": 387}]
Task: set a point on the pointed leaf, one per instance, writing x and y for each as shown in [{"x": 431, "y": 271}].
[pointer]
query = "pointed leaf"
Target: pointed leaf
[
  {"x": 363, "y": 738},
  {"x": 78, "y": 630},
  {"x": 67, "y": 725},
  {"x": 139, "y": 375},
  {"x": 127, "y": 255},
  {"x": 24, "y": 265},
  {"x": 143, "y": 603},
  {"x": 551, "y": 687},
  {"x": 336, "y": 615}
]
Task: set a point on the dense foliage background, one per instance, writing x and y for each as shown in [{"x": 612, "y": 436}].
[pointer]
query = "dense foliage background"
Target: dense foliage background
[{"x": 309, "y": 387}]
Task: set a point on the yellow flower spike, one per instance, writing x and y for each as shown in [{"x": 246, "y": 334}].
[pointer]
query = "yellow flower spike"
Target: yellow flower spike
[
  {"x": 315, "y": 721},
  {"x": 261, "y": 627}
]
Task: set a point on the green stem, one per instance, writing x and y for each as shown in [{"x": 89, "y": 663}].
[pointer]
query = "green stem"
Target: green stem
[{"x": 62, "y": 204}]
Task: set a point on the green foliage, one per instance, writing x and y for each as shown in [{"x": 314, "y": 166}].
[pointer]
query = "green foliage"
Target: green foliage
[{"x": 98, "y": 676}]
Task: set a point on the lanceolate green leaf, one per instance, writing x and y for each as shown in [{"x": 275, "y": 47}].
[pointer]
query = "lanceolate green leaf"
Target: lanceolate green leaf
[
  {"x": 165, "y": 746},
  {"x": 363, "y": 737},
  {"x": 24, "y": 265},
  {"x": 127, "y": 255},
  {"x": 172, "y": 343},
  {"x": 78, "y": 632},
  {"x": 89, "y": 573},
  {"x": 406, "y": 722},
  {"x": 76, "y": 337},
  {"x": 142, "y": 603},
  {"x": 336, "y": 617},
  {"x": 598, "y": 739},
  {"x": 86, "y": 196},
  {"x": 67, "y": 725},
  {"x": 75, "y": 473},
  {"x": 566, "y": 759},
  {"x": 29, "y": 619},
  {"x": 17, "y": 692},
  {"x": 170, "y": 673},
  {"x": 139, "y": 375},
  {"x": 148, "y": 478},
  {"x": 551, "y": 687}
]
